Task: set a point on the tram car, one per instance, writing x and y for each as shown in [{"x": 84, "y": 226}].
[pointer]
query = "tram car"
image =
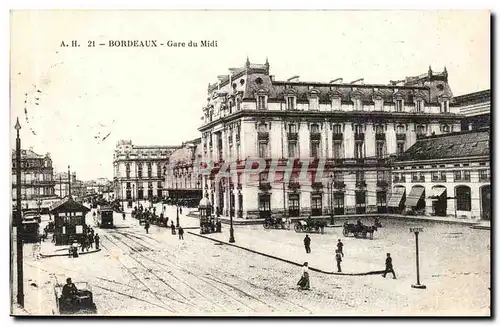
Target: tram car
[
  {"x": 105, "y": 217},
  {"x": 30, "y": 230}
]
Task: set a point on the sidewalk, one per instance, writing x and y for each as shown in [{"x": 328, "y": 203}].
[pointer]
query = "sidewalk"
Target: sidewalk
[{"x": 289, "y": 248}]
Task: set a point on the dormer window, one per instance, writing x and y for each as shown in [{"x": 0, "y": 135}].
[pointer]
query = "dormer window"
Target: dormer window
[
  {"x": 314, "y": 103},
  {"x": 261, "y": 102},
  {"x": 379, "y": 104},
  {"x": 399, "y": 105},
  {"x": 290, "y": 102},
  {"x": 419, "y": 105},
  {"x": 445, "y": 106},
  {"x": 358, "y": 105}
]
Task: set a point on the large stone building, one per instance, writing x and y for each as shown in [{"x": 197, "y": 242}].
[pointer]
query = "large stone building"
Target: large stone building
[
  {"x": 37, "y": 181},
  {"x": 138, "y": 170},
  {"x": 476, "y": 108},
  {"x": 182, "y": 174},
  {"x": 445, "y": 175},
  {"x": 354, "y": 127}
]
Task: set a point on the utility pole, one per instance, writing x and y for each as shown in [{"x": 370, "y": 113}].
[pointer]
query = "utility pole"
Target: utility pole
[
  {"x": 19, "y": 221},
  {"x": 69, "y": 183},
  {"x": 283, "y": 158}
]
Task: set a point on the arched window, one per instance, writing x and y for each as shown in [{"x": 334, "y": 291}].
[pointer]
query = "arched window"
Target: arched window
[{"x": 462, "y": 193}]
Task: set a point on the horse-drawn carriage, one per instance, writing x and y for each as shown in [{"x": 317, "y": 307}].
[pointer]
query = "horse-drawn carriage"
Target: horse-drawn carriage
[
  {"x": 310, "y": 225},
  {"x": 81, "y": 302},
  {"x": 274, "y": 223},
  {"x": 359, "y": 230}
]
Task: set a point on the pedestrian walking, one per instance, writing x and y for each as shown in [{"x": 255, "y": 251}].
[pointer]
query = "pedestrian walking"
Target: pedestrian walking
[
  {"x": 307, "y": 244},
  {"x": 338, "y": 258},
  {"x": 340, "y": 247},
  {"x": 82, "y": 243},
  {"x": 388, "y": 266},
  {"x": 96, "y": 239},
  {"x": 172, "y": 226},
  {"x": 304, "y": 283},
  {"x": 181, "y": 233},
  {"x": 123, "y": 215},
  {"x": 146, "y": 226}
]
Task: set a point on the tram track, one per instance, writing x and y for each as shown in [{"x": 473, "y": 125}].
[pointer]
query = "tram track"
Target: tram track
[{"x": 220, "y": 282}]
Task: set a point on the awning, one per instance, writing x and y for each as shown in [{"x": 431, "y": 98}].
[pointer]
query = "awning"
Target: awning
[
  {"x": 414, "y": 196},
  {"x": 396, "y": 197},
  {"x": 437, "y": 192}
]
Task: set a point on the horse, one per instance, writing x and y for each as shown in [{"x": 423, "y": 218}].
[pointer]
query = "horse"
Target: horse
[{"x": 368, "y": 230}]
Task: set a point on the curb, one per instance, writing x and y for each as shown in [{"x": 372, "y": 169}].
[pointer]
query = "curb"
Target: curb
[
  {"x": 288, "y": 261},
  {"x": 66, "y": 254},
  {"x": 481, "y": 227}
]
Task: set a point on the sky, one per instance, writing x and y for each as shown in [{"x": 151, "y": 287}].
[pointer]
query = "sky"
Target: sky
[{"x": 81, "y": 100}]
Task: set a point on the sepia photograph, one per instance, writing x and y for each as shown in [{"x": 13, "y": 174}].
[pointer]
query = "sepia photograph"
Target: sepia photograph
[{"x": 221, "y": 163}]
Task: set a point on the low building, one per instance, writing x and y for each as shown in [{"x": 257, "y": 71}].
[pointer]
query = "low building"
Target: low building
[
  {"x": 37, "y": 178},
  {"x": 62, "y": 185},
  {"x": 445, "y": 175},
  {"x": 182, "y": 173},
  {"x": 476, "y": 108}
]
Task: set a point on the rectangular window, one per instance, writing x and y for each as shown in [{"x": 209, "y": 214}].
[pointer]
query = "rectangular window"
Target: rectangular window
[
  {"x": 399, "y": 105},
  {"x": 379, "y": 150},
  {"x": 316, "y": 202},
  {"x": 360, "y": 176},
  {"x": 422, "y": 177},
  {"x": 292, "y": 128},
  {"x": 381, "y": 175},
  {"x": 358, "y": 151},
  {"x": 484, "y": 175},
  {"x": 292, "y": 149},
  {"x": 379, "y": 105},
  {"x": 290, "y": 103},
  {"x": 315, "y": 149},
  {"x": 443, "y": 176},
  {"x": 457, "y": 175},
  {"x": 435, "y": 176},
  {"x": 358, "y": 129},
  {"x": 467, "y": 175},
  {"x": 261, "y": 102},
  {"x": 263, "y": 149},
  {"x": 358, "y": 105},
  {"x": 445, "y": 107},
  {"x": 337, "y": 150},
  {"x": 337, "y": 129},
  {"x": 414, "y": 176},
  {"x": 400, "y": 148}
]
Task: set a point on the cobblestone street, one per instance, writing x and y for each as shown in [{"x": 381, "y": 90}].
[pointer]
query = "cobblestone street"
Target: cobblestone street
[{"x": 137, "y": 273}]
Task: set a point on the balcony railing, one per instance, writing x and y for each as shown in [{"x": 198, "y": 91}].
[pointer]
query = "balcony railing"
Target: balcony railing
[
  {"x": 400, "y": 136},
  {"x": 360, "y": 184},
  {"x": 338, "y": 136},
  {"x": 264, "y": 186},
  {"x": 294, "y": 185},
  {"x": 315, "y": 136},
  {"x": 293, "y": 136},
  {"x": 379, "y": 136},
  {"x": 317, "y": 185},
  {"x": 263, "y": 135},
  {"x": 359, "y": 136},
  {"x": 339, "y": 184},
  {"x": 382, "y": 183},
  {"x": 484, "y": 178}
]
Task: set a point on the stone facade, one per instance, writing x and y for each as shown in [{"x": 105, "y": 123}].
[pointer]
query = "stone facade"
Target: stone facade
[
  {"x": 138, "y": 170},
  {"x": 353, "y": 127}
]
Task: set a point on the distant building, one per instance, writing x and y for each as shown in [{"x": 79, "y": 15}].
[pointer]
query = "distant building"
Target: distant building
[
  {"x": 476, "y": 107},
  {"x": 62, "y": 185},
  {"x": 182, "y": 175},
  {"x": 445, "y": 175},
  {"x": 352, "y": 126},
  {"x": 138, "y": 170},
  {"x": 37, "y": 181}
]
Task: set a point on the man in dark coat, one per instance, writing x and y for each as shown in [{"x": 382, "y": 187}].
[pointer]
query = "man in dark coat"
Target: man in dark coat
[
  {"x": 96, "y": 239},
  {"x": 340, "y": 247},
  {"x": 388, "y": 266},
  {"x": 307, "y": 243},
  {"x": 172, "y": 226},
  {"x": 338, "y": 258},
  {"x": 146, "y": 226},
  {"x": 181, "y": 233}
]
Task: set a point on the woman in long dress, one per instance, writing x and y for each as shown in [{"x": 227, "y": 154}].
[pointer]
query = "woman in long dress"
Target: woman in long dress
[{"x": 303, "y": 283}]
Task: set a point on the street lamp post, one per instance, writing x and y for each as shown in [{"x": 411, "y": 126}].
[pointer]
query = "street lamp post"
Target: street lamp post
[
  {"x": 123, "y": 199},
  {"x": 417, "y": 230},
  {"x": 330, "y": 190},
  {"x": 231, "y": 213},
  {"x": 18, "y": 219}
]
